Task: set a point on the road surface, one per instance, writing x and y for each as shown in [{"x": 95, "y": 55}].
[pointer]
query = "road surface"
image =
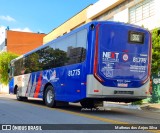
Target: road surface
[{"x": 35, "y": 112}]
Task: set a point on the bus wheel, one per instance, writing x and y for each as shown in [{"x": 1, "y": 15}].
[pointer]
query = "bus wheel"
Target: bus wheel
[
  {"x": 88, "y": 104},
  {"x": 49, "y": 96},
  {"x": 19, "y": 98}
]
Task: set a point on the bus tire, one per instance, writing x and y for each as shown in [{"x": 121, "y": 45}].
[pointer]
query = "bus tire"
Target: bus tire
[
  {"x": 49, "y": 97},
  {"x": 19, "y": 98}
]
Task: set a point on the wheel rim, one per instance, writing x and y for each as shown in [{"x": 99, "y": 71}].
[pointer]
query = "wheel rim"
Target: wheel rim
[{"x": 49, "y": 96}]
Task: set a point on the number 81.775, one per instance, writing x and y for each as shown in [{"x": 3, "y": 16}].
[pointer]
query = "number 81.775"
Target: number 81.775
[{"x": 75, "y": 72}]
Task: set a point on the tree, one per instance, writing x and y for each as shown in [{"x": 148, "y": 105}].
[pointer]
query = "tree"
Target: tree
[
  {"x": 155, "y": 65},
  {"x": 155, "y": 51},
  {"x": 5, "y": 58}
]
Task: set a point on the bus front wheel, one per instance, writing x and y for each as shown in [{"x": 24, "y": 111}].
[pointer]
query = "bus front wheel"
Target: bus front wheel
[{"x": 49, "y": 98}]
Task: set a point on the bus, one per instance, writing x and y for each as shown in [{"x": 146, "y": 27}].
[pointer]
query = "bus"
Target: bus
[{"x": 99, "y": 61}]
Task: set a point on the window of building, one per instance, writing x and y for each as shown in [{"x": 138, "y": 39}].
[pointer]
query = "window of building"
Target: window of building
[{"x": 141, "y": 11}]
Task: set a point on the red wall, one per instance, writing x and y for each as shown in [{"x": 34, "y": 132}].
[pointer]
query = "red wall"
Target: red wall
[{"x": 23, "y": 42}]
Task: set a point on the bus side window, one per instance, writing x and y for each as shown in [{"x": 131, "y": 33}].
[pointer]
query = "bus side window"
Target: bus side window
[
  {"x": 11, "y": 71},
  {"x": 81, "y": 44}
]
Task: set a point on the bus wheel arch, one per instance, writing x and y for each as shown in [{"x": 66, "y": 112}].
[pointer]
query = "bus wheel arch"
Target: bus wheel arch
[
  {"x": 46, "y": 85},
  {"x": 15, "y": 89}
]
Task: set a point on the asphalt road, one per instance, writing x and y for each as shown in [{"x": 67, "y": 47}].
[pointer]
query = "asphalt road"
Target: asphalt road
[{"x": 35, "y": 112}]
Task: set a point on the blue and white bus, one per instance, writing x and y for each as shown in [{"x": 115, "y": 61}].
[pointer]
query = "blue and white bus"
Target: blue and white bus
[{"x": 99, "y": 61}]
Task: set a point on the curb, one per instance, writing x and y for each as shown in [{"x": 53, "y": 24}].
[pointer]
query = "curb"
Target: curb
[
  {"x": 150, "y": 107},
  {"x": 125, "y": 106},
  {"x": 144, "y": 107}
]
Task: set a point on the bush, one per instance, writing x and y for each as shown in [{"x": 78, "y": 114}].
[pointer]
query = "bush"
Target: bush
[
  {"x": 5, "y": 59},
  {"x": 155, "y": 51},
  {"x": 140, "y": 102}
]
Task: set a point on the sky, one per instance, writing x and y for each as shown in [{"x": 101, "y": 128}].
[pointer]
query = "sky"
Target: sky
[{"x": 38, "y": 15}]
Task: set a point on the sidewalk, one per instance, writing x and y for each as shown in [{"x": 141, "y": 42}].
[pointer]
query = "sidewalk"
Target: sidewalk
[
  {"x": 151, "y": 107},
  {"x": 154, "y": 107}
]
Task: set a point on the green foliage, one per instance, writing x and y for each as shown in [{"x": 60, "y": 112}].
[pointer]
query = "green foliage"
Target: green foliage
[
  {"x": 155, "y": 51},
  {"x": 140, "y": 102},
  {"x": 5, "y": 59}
]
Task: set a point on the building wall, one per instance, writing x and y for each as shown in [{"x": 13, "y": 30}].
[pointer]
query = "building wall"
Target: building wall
[
  {"x": 157, "y": 13},
  {"x": 112, "y": 10},
  {"x": 121, "y": 11},
  {"x": 101, "y": 7},
  {"x": 72, "y": 23},
  {"x": 4, "y": 89},
  {"x": 23, "y": 42},
  {"x": 118, "y": 17},
  {"x": 2, "y": 39},
  {"x": 118, "y": 11}
]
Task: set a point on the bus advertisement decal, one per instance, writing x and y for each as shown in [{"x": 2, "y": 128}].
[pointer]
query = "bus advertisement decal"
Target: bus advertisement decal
[
  {"x": 50, "y": 75},
  {"x": 38, "y": 86},
  {"x": 110, "y": 57}
]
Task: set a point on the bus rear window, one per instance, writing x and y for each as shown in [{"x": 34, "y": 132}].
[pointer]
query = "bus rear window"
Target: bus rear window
[{"x": 136, "y": 37}]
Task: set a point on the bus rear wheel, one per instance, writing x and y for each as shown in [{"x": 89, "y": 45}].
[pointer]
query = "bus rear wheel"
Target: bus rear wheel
[
  {"x": 49, "y": 97},
  {"x": 20, "y": 98}
]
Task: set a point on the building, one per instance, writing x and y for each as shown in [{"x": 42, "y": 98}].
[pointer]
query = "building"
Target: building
[
  {"x": 19, "y": 42},
  {"x": 22, "y": 42},
  {"x": 2, "y": 39},
  {"x": 139, "y": 12}
]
